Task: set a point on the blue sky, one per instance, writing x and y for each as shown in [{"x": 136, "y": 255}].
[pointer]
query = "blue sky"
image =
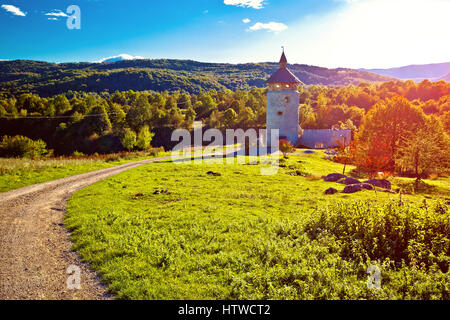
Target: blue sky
[{"x": 329, "y": 33}]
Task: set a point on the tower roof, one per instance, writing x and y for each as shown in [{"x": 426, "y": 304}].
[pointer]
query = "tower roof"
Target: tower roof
[
  {"x": 283, "y": 58},
  {"x": 283, "y": 74}
]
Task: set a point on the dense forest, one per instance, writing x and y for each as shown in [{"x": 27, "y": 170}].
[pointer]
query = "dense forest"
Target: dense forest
[
  {"x": 48, "y": 79},
  {"x": 109, "y": 122}
]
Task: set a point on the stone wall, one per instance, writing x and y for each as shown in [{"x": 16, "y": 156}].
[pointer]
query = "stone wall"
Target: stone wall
[{"x": 325, "y": 139}]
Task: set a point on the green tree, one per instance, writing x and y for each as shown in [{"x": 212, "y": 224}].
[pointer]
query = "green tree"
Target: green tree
[
  {"x": 305, "y": 112},
  {"x": 20, "y": 146},
  {"x": 229, "y": 118},
  {"x": 425, "y": 150},
  {"x": 190, "y": 117},
  {"x": 97, "y": 121},
  {"x": 61, "y": 104},
  {"x": 140, "y": 114},
  {"x": 128, "y": 139},
  {"x": 144, "y": 138}
]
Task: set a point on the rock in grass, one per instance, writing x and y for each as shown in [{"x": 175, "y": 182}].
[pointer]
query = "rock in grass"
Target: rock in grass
[
  {"x": 384, "y": 184},
  {"x": 331, "y": 191},
  {"x": 215, "y": 174},
  {"x": 334, "y": 177},
  {"x": 353, "y": 188},
  {"x": 349, "y": 181},
  {"x": 367, "y": 186}
]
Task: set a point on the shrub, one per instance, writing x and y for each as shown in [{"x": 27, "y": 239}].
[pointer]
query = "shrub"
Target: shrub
[
  {"x": 313, "y": 177},
  {"x": 112, "y": 158},
  {"x": 402, "y": 233},
  {"x": 22, "y": 147},
  {"x": 78, "y": 154},
  {"x": 155, "y": 152},
  {"x": 286, "y": 147}
]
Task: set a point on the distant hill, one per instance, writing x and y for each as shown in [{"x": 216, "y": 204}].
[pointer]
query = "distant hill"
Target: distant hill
[
  {"x": 446, "y": 77},
  {"x": 49, "y": 78},
  {"x": 416, "y": 72}
]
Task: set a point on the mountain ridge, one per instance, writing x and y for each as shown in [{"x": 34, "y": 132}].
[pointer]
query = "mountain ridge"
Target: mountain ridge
[
  {"x": 416, "y": 72},
  {"x": 21, "y": 76}
]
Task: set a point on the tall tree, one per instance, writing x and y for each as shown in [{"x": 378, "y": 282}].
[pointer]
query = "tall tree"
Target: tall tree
[
  {"x": 389, "y": 122},
  {"x": 128, "y": 139},
  {"x": 426, "y": 150},
  {"x": 144, "y": 138}
]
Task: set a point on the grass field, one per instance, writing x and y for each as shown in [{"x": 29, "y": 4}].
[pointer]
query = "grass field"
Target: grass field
[
  {"x": 18, "y": 173},
  {"x": 167, "y": 231}
]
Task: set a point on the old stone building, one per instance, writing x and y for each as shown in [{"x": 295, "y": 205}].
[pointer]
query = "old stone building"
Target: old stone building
[
  {"x": 283, "y": 103},
  {"x": 283, "y": 100}
]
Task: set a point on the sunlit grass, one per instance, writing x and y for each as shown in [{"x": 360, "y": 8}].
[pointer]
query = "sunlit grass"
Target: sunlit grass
[{"x": 167, "y": 231}]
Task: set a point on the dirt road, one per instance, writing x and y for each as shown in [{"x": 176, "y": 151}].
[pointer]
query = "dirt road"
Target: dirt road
[{"x": 35, "y": 249}]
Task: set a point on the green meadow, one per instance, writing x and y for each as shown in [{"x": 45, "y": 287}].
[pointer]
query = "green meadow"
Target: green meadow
[{"x": 173, "y": 231}]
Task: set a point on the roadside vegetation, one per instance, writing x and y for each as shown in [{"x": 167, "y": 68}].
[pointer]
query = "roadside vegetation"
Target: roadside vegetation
[
  {"x": 170, "y": 231},
  {"x": 20, "y": 172}
]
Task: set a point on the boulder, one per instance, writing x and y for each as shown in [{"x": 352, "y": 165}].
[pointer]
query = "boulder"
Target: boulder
[
  {"x": 349, "y": 181},
  {"x": 384, "y": 184},
  {"x": 353, "y": 188},
  {"x": 215, "y": 174},
  {"x": 334, "y": 177},
  {"x": 331, "y": 191},
  {"x": 367, "y": 186}
]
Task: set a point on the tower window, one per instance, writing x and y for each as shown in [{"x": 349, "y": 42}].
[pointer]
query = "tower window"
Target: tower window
[
  {"x": 287, "y": 99},
  {"x": 280, "y": 113}
]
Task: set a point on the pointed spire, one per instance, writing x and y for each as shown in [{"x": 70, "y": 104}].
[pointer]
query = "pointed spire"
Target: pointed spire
[{"x": 283, "y": 60}]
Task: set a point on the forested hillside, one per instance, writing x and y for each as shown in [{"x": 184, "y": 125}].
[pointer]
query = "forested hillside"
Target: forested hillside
[
  {"x": 111, "y": 122},
  {"x": 47, "y": 79}
]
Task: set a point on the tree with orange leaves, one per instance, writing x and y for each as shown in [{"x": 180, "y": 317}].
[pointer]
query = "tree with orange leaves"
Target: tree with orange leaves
[
  {"x": 372, "y": 157},
  {"x": 384, "y": 128}
]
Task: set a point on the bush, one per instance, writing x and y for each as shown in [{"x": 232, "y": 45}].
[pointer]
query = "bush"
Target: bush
[
  {"x": 155, "y": 152},
  {"x": 22, "y": 147},
  {"x": 402, "y": 233},
  {"x": 78, "y": 154},
  {"x": 286, "y": 147}
]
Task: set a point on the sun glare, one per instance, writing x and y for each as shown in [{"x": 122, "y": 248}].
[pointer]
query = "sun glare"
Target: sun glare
[{"x": 373, "y": 33}]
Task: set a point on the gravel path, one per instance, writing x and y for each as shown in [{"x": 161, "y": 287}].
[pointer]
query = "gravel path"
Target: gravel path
[{"x": 35, "y": 248}]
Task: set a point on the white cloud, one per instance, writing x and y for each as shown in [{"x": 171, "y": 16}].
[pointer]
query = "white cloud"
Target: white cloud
[
  {"x": 120, "y": 57},
  {"x": 255, "y": 4},
  {"x": 57, "y": 13},
  {"x": 271, "y": 27},
  {"x": 53, "y": 19},
  {"x": 246, "y": 20},
  {"x": 14, "y": 10}
]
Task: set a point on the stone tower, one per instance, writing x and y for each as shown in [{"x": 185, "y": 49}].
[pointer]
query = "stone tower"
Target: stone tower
[{"x": 283, "y": 102}]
